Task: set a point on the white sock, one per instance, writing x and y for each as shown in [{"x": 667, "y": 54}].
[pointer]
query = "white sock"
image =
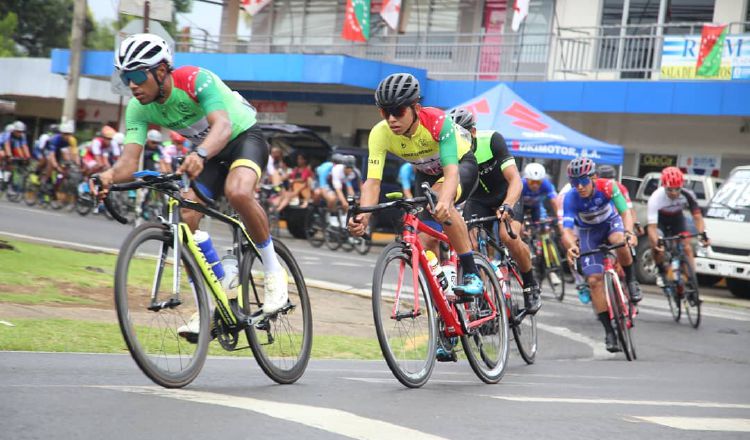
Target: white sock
[{"x": 268, "y": 255}]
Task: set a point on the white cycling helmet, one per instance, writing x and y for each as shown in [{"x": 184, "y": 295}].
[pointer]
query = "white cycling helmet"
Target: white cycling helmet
[
  {"x": 154, "y": 136},
  {"x": 19, "y": 126},
  {"x": 140, "y": 51},
  {"x": 118, "y": 138},
  {"x": 9, "y": 127},
  {"x": 535, "y": 171},
  {"x": 68, "y": 127}
]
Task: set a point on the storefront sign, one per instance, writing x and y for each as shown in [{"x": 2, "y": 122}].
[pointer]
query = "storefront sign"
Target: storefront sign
[
  {"x": 702, "y": 164},
  {"x": 680, "y": 56},
  {"x": 270, "y": 112},
  {"x": 655, "y": 162}
]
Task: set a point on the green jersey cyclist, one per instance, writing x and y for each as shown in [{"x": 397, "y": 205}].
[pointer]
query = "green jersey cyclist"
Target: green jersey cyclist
[
  {"x": 230, "y": 153},
  {"x": 441, "y": 154},
  {"x": 499, "y": 191}
]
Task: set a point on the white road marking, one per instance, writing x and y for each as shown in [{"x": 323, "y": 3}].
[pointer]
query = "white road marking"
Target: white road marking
[
  {"x": 9, "y": 324},
  {"x": 69, "y": 244},
  {"x": 623, "y": 402},
  {"x": 599, "y": 352},
  {"x": 331, "y": 420},
  {"x": 701, "y": 423},
  {"x": 344, "y": 263},
  {"x": 35, "y": 211},
  {"x": 394, "y": 381}
]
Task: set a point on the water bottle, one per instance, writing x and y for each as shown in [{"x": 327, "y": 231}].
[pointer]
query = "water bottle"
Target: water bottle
[
  {"x": 436, "y": 270},
  {"x": 676, "y": 268},
  {"x": 450, "y": 275},
  {"x": 231, "y": 272},
  {"x": 207, "y": 247}
]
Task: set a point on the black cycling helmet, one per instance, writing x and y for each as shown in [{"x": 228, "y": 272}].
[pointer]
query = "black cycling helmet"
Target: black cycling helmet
[
  {"x": 397, "y": 90},
  {"x": 463, "y": 117},
  {"x": 581, "y": 167},
  {"x": 606, "y": 172},
  {"x": 54, "y": 128}
]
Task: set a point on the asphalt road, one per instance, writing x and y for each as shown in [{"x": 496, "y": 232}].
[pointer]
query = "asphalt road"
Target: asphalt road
[{"x": 686, "y": 383}]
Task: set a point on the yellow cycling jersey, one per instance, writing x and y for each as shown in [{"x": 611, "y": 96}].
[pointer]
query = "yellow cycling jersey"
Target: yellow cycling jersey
[{"x": 436, "y": 143}]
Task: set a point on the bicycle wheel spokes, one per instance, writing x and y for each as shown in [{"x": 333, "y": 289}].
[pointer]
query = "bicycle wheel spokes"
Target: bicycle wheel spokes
[
  {"x": 404, "y": 317},
  {"x": 152, "y": 313},
  {"x": 486, "y": 346},
  {"x": 691, "y": 297},
  {"x": 523, "y": 325},
  {"x": 282, "y": 342}
]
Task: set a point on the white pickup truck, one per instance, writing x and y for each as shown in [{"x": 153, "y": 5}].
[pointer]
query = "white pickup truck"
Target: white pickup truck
[{"x": 728, "y": 226}]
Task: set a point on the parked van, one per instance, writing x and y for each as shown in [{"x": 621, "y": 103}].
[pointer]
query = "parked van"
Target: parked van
[{"x": 728, "y": 227}]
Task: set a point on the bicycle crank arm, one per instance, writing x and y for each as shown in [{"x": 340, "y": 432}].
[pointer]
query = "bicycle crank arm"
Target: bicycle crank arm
[{"x": 399, "y": 316}]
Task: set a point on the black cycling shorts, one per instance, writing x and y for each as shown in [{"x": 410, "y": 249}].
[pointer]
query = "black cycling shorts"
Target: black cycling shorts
[
  {"x": 249, "y": 149},
  {"x": 672, "y": 224},
  {"x": 468, "y": 179},
  {"x": 486, "y": 207}
]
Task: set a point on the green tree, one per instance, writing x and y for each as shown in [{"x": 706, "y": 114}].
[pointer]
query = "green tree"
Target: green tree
[
  {"x": 42, "y": 24},
  {"x": 8, "y": 26}
]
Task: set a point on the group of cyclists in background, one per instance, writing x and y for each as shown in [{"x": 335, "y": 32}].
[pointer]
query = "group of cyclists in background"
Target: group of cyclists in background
[{"x": 472, "y": 172}]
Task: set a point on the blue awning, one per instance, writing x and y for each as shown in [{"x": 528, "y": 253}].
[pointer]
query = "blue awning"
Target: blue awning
[{"x": 531, "y": 133}]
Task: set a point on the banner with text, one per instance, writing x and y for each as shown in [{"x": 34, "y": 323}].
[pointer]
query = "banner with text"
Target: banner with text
[{"x": 680, "y": 55}]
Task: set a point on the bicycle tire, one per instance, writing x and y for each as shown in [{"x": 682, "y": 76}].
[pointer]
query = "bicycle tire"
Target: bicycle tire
[
  {"x": 557, "y": 290},
  {"x": 332, "y": 237},
  {"x": 363, "y": 244},
  {"x": 415, "y": 369},
  {"x": 315, "y": 228},
  {"x": 673, "y": 300},
  {"x": 487, "y": 347},
  {"x": 84, "y": 204},
  {"x": 31, "y": 190},
  {"x": 691, "y": 297},
  {"x": 619, "y": 319},
  {"x": 522, "y": 324},
  {"x": 134, "y": 324},
  {"x": 277, "y": 345},
  {"x": 14, "y": 191}
]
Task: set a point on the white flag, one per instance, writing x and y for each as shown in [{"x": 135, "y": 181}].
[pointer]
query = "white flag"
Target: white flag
[
  {"x": 252, "y": 7},
  {"x": 390, "y": 12},
  {"x": 520, "y": 11}
]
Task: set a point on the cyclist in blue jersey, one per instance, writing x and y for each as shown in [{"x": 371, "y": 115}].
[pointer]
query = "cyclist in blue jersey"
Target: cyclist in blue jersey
[
  {"x": 406, "y": 178},
  {"x": 537, "y": 187},
  {"x": 600, "y": 212}
]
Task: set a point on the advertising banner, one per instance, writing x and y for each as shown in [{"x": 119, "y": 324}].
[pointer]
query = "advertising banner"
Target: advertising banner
[{"x": 680, "y": 58}]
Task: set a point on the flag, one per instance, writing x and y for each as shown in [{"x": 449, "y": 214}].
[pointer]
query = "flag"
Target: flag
[
  {"x": 252, "y": 7},
  {"x": 390, "y": 12},
  {"x": 712, "y": 46},
  {"x": 356, "y": 20},
  {"x": 520, "y": 11}
]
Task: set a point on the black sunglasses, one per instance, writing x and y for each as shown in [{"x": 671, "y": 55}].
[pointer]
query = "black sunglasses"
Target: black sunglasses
[{"x": 397, "y": 112}]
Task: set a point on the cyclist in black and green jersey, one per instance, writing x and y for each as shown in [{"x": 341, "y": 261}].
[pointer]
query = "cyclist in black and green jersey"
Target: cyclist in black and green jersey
[
  {"x": 231, "y": 150},
  {"x": 499, "y": 191}
]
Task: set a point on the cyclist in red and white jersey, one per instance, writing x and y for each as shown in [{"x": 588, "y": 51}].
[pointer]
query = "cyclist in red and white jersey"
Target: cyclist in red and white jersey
[
  {"x": 97, "y": 156},
  {"x": 665, "y": 207}
]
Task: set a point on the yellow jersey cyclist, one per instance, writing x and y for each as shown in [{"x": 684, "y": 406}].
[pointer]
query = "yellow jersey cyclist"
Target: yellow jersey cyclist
[
  {"x": 441, "y": 154},
  {"x": 230, "y": 153},
  {"x": 499, "y": 191}
]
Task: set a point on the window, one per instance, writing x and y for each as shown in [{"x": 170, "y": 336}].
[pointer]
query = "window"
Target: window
[{"x": 697, "y": 187}]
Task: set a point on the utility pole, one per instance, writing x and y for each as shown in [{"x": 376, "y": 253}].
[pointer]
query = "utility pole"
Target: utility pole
[{"x": 74, "y": 67}]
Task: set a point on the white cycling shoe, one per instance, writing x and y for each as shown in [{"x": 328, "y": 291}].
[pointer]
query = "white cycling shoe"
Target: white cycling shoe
[{"x": 276, "y": 291}]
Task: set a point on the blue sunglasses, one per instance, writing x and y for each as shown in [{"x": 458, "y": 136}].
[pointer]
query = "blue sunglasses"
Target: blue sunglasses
[
  {"x": 575, "y": 181},
  {"x": 138, "y": 77}
]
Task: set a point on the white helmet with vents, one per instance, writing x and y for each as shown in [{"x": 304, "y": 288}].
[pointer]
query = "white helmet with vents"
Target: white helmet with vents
[
  {"x": 535, "y": 171},
  {"x": 140, "y": 51},
  {"x": 154, "y": 135}
]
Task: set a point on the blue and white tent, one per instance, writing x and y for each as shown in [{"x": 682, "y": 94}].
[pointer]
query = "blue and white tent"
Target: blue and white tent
[{"x": 531, "y": 133}]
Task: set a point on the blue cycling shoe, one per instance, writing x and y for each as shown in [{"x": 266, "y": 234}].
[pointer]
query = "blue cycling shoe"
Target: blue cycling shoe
[
  {"x": 584, "y": 294},
  {"x": 472, "y": 285}
]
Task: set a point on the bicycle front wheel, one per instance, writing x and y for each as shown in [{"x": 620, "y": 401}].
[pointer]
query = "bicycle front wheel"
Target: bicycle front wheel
[
  {"x": 363, "y": 244},
  {"x": 152, "y": 312},
  {"x": 691, "y": 298},
  {"x": 31, "y": 189},
  {"x": 523, "y": 324},
  {"x": 405, "y": 320},
  {"x": 315, "y": 227},
  {"x": 620, "y": 320},
  {"x": 281, "y": 342},
  {"x": 554, "y": 274},
  {"x": 486, "y": 345}
]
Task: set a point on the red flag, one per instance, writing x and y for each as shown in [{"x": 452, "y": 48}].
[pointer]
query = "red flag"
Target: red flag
[
  {"x": 356, "y": 20},
  {"x": 709, "y": 55}
]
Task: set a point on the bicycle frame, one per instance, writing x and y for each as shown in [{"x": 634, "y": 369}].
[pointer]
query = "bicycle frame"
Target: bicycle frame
[
  {"x": 483, "y": 237},
  {"x": 609, "y": 268},
  {"x": 454, "y": 326}
]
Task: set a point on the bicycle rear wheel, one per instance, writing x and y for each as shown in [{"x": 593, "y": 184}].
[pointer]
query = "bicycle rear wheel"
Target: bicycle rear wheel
[
  {"x": 486, "y": 346},
  {"x": 315, "y": 227},
  {"x": 407, "y": 339},
  {"x": 145, "y": 278},
  {"x": 620, "y": 320},
  {"x": 14, "y": 191},
  {"x": 691, "y": 298},
  {"x": 281, "y": 342},
  {"x": 523, "y": 325}
]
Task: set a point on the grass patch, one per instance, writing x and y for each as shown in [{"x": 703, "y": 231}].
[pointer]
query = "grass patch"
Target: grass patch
[
  {"x": 45, "y": 296},
  {"x": 63, "y": 335}
]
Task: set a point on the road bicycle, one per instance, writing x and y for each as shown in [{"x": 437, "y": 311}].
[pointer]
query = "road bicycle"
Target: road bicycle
[
  {"x": 265, "y": 196},
  {"x": 681, "y": 284},
  {"x": 162, "y": 278},
  {"x": 412, "y": 311},
  {"x": 622, "y": 312},
  {"x": 546, "y": 258},
  {"x": 521, "y": 323}
]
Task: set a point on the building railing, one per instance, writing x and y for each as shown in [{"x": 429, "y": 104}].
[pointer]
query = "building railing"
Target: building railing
[{"x": 604, "y": 52}]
